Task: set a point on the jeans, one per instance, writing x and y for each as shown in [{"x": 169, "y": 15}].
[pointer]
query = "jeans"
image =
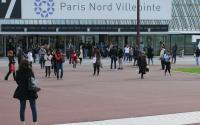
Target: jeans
[
  {"x": 96, "y": 69},
  {"x": 126, "y": 56},
  {"x": 59, "y": 66},
  {"x": 33, "y": 109},
  {"x": 113, "y": 60},
  {"x": 120, "y": 63},
  {"x": 86, "y": 53},
  {"x": 48, "y": 70},
  {"x": 150, "y": 59},
  {"x": 197, "y": 61}
]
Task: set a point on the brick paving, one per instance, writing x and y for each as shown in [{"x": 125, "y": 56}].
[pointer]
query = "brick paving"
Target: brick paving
[{"x": 81, "y": 97}]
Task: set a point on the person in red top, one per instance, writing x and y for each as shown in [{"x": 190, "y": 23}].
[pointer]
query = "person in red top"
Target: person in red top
[
  {"x": 11, "y": 65},
  {"x": 59, "y": 58},
  {"x": 74, "y": 59}
]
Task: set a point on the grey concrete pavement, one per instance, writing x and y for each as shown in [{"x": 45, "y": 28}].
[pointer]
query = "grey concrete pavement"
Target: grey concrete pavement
[{"x": 81, "y": 97}]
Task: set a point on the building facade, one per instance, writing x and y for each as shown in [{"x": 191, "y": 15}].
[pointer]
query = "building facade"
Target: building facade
[{"x": 58, "y": 33}]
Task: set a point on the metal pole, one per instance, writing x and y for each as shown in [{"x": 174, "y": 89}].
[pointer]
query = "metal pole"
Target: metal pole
[{"x": 138, "y": 24}]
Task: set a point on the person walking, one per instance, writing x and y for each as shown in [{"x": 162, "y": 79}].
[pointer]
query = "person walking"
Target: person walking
[
  {"x": 162, "y": 52},
  {"x": 42, "y": 52},
  {"x": 167, "y": 58},
  {"x": 30, "y": 57},
  {"x": 126, "y": 53},
  {"x": 174, "y": 52},
  {"x": 74, "y": 59},
  {"x": 48, "y": 57},
  {"x": 59, "y": 63},
  {"x": 150, "y": 55},
  {"x": 54, "y": 65},
  {"x": 81, "y": 54},
  {"x": 136, "y": 55},
  {"x": 19, "y": 54},
  {"x": 113, "y": 56},
  {"x": 96, "y": 61},
  {"x": 23, "y": 74},
  {"x": 120, "y": 58},
  {"x": 130, "y": 54},
  {"x": 11, "y": 65},
  {"x": 142, "y": 64},
  {"x": 197, "y": 53}
]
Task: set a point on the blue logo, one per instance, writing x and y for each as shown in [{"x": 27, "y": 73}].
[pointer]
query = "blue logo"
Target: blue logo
[{"x": 44, "y": 8}]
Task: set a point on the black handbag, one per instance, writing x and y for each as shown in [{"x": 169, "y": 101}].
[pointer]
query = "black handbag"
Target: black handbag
[{"x": 33, "y": 85}]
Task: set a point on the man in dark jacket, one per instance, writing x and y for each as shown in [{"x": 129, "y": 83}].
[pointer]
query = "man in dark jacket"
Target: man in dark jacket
[
  {"x": 174, "y": 51},
  {"x": 150, "y": 55},
  {"x": 120, "y": 57},
  {"x": 113, "y": 56}
]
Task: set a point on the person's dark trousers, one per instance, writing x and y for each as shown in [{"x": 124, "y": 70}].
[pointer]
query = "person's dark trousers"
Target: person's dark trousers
[
  {"x": 34, "y": 59},
  {"x": 81, "y": 60},
  {"x": 126, "y": 56},
  {"x": 55, "y": 69},
  {"x": 74, "y": 64},
  {"x": 150, "y": 59},
  {"x": 48, "y": 71},
  {"x": 70, "y": 59},
  {"x": 168, "y": 67},
  {"x": 174, "y": 59},
  {"x": 33, "y": 109},
  {"x": 59, "y": 67},
  {"x": 42, "y": 64},
  {"x": 135, "y": 61},
  {"x": 30, "y": 63},
  {"x": 96, "y": 69},
  {"x": 142, "y": 76},
  {"x": 113, "y": 60},
  {"x": 8, "y": 74},
  {"x": 130, "y": 58},
  {"x": 19, "y": 60},
  {"x": 163, "y": 64}
]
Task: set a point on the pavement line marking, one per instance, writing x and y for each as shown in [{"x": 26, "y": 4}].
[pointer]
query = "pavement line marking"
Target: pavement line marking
[{"x": 169, "y": 119}]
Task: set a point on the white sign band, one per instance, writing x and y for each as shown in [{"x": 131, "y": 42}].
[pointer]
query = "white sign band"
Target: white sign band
[{"x": 96, "y": 9}]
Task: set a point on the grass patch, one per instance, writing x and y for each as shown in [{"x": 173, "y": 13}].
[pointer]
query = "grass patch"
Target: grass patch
[{"x": 189, "y": 70}]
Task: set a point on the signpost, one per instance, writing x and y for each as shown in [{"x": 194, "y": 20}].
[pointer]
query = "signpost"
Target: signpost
[{"x": 138, "y": 24}]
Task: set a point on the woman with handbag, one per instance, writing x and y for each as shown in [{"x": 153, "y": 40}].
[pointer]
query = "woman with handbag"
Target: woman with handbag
[
  {"x": 142, "y": 64},
  {"x": 11, "y": 65},
  {"x": 96, "y": 61},
  {"x": 22, "y": 93}
]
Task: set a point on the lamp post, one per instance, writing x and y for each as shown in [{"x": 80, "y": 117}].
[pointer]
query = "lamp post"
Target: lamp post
[{"x": 138, "y": 24}]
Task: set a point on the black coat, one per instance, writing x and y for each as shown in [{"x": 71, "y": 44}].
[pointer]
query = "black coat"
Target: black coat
[
  {"x": 142, "y": 63},
  {"x": 150, "y": 52},
  {"x": 22, "y": 92}
]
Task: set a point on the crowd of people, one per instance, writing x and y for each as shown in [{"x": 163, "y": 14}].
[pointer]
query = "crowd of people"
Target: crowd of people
[{"x": 52, "y": 60}]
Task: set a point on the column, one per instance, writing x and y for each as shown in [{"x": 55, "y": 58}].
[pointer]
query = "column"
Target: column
[
  {"x": 4, "y": 42},
  {"x": 27, "y": 43}
]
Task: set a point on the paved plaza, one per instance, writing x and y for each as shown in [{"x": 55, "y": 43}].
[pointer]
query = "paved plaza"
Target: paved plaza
[{"x": 118, "y": 96}]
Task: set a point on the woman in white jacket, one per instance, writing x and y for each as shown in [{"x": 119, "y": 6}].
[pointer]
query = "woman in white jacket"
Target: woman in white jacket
[
  {"x": 30, "y": 57},
  {"x": 48, "y": 57}
]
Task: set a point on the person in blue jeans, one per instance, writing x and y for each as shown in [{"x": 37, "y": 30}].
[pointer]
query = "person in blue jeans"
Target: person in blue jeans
[
  {"x": 197, "y": 53},
  {"x": 167, "y": 58},
  {"x": 59, "y": 63},
  {"x": 22, "y": 93}
]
